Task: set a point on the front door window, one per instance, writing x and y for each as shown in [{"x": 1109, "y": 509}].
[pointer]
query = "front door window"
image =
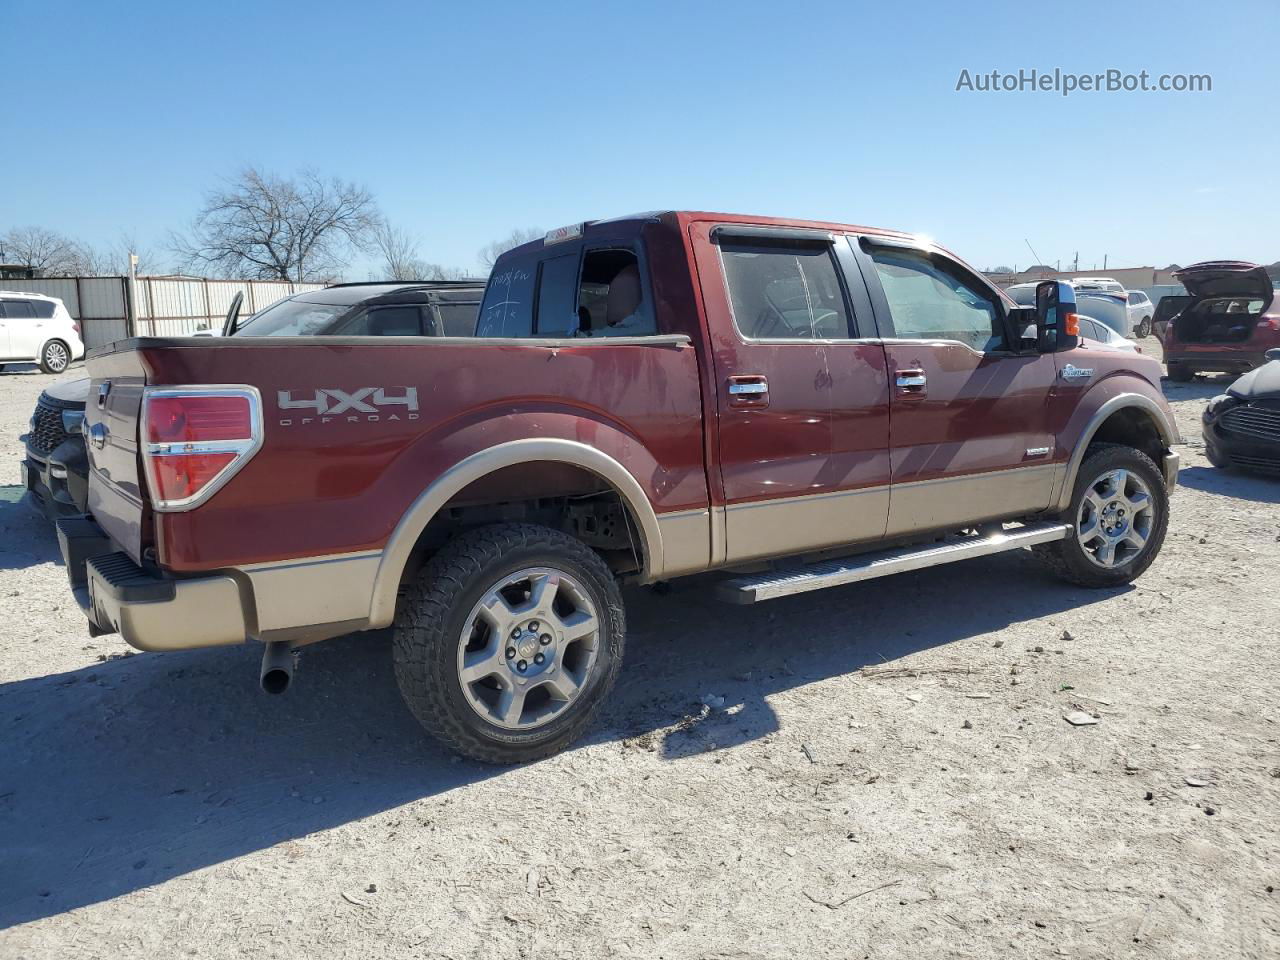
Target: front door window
[{"x": 929, "y": 300}]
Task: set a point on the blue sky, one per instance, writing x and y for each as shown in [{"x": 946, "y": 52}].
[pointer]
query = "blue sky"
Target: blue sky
[{"x": 470, "y": 119}]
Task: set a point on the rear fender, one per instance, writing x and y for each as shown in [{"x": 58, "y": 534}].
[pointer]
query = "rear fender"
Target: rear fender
[{"x": 395, "y": 556}]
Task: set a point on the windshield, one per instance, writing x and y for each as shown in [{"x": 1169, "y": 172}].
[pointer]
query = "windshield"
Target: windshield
[{"x": 292, "y": 318}]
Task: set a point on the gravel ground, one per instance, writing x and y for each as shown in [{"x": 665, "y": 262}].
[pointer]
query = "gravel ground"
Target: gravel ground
[{"x": 934, "y": 803}]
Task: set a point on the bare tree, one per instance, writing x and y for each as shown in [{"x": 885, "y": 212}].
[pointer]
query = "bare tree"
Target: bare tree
[
  {"x": 399, "y": 252},
  {"x": 112, "y": 260},
  {"x": 282, "y": 228},
  {"x": 436, "y": 271},
  {"x": 400, "y": 259},
  {"x": 45, "y": 251},
  {"x": 490, "y": 252}
]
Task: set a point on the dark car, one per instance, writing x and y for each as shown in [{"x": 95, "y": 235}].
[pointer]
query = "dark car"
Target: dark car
[
  {"x": 56, "y": 470},
  {"x": 1242, "y": 426},
  {"x": 1226, "y": 324},
  {"x": 440, "y": 308}
]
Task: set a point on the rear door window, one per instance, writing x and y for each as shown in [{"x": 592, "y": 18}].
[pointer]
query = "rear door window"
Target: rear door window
[
  {"x": 784, "y": 289},
  {"x": 385, "y": 320},
  {"x": 458, "y": 319},
  {"x": 18, "y": 309}
]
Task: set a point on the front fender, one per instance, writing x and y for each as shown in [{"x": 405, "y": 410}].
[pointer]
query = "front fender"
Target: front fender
[{"x": 1102, "y": 401}]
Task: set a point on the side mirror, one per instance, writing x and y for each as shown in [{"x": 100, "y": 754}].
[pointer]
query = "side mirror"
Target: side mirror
[
  {"x": 1273, "y": 353},
  {"x": 1057, "y": 327}
]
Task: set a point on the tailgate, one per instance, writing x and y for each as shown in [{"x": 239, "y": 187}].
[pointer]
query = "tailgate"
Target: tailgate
[{"x": 117, "y": 500}]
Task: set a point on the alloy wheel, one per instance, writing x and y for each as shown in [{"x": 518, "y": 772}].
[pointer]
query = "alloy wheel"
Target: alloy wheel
[
  {"x": 528, "y": 648},
  {"x": 55, "y": 357},
  {"x": 1116, "y": 518}
]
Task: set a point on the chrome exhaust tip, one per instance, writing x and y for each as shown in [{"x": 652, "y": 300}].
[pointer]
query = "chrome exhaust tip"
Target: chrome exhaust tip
[{"x": 277, "y": 667}]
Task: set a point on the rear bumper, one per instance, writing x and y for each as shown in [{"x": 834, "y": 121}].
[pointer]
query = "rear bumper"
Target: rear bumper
[
  {"x": 150, "y": 612},
  {"x": 1241, "y": 362},
  {"x": 296, "y": 601}
]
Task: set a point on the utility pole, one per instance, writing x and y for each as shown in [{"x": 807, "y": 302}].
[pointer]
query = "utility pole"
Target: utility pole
[{"x": 131, "y": 297}]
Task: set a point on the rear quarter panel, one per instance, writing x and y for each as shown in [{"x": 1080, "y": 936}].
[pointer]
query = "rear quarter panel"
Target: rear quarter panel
[{"x": 325, "y": 485}]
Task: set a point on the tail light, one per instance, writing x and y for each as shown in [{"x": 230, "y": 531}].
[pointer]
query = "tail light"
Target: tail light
[
  {"x": 1269, "y": 323},
  {"x": 75, "y": 325},
  {"x": 195, "y": 439}
]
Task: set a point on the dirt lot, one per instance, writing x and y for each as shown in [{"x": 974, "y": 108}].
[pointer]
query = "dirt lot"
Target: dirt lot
[{"x": 159, "y": 805}]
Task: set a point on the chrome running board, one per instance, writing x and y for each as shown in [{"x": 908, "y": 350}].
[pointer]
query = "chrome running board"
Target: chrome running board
[{"x": 868, "y": 566}]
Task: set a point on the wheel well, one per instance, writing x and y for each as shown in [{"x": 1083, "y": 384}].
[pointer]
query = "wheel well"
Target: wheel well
[
  {"x": 1133, "y": 428},
  {"x": 561, "y": 496}
]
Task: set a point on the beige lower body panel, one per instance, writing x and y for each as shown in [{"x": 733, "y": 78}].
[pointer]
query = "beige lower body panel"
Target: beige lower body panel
[
  {"x": 686, "y": 541},
  {"x": 777, "y": 528},
  {"x": 950, "y": 502},
  {"x": 317, "y": 590}
]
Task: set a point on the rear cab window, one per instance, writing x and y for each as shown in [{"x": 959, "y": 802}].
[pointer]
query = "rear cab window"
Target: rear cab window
[{"x": 584, "y": 287}]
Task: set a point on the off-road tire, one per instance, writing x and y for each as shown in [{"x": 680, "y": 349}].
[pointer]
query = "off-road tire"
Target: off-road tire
[
  {"x": 1068, "y": 558},
  {"x": 1179, "y": 373},
  {"x": 55, "y": 357},
  {"x": 434, "y": 612}
]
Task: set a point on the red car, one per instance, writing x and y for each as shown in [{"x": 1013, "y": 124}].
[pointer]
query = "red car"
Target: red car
[
  {"x": 1226, "y": 324},
  {"x": 797, "y": 404}
]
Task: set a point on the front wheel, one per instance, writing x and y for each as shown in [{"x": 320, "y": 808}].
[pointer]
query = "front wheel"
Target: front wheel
[
  {"x": 509, "y": 642},
  {"x": 55, "y": 357},
  {"x": 1144, "y": 328},
  {"x": 1119, "y": 513}
]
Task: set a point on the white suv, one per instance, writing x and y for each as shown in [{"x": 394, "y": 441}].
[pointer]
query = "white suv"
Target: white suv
[{"x": 37, "y": 329}]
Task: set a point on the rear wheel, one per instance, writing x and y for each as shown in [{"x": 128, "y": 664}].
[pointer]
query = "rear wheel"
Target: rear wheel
[
  {"x": 1119, "y": 513},
  {"x": 1179, "y": 373},
  {"x": 55, "y": 357},
  {"x": 509, "y": 642},
  {"x": 1144, "y": 328}
]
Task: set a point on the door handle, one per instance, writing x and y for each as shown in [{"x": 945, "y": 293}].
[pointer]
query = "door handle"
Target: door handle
[
  {"x": 912, "y": 381},
  {"x": 749, "y": 390}
]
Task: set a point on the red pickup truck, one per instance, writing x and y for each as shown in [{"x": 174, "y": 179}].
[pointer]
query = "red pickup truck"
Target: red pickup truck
[{"x": 796, "y": 404}]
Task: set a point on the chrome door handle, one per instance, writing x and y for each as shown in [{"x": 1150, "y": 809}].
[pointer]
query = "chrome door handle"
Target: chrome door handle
[
  {"x": 912, "y": 378},
  {"x": 748, "y": 390}
]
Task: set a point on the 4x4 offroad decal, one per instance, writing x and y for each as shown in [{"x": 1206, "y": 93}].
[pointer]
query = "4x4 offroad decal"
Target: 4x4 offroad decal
[{"x": 330, "y": 404}]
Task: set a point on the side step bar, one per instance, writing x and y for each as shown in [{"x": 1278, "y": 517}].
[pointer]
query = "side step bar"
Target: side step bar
[{"x": 868, "y": 566}]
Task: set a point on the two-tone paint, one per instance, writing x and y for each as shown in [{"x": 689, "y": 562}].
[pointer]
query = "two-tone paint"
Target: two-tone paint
[{"x": 853, "y": 441}]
